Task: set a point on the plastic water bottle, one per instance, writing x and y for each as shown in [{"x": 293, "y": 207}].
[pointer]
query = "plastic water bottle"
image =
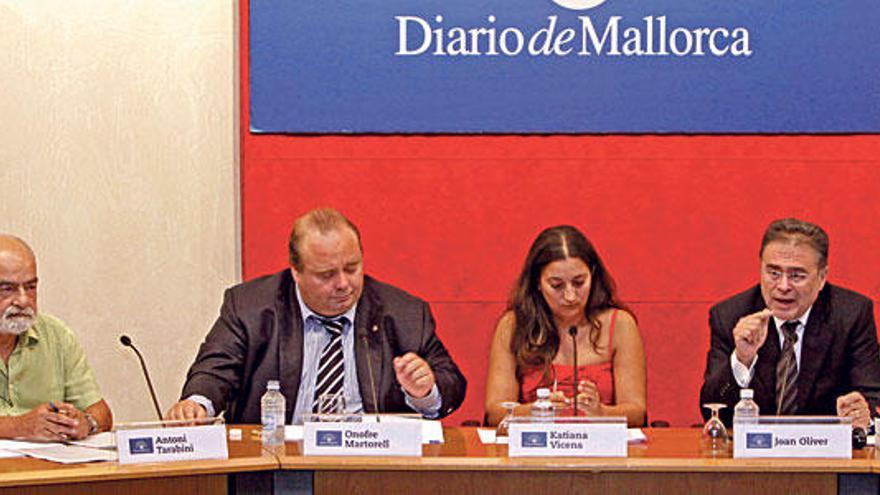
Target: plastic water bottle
[
  {"x": 746, "y": 410},
  {"x": 543, "y": 407},
  {"x": 272, "y": 414}
]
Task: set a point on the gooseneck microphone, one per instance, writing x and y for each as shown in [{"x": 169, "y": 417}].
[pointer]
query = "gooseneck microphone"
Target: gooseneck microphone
[
  {"x": 366, "y": 340},
  {"x": 573, "y": 331},
  {"x": 126, "y": 341}
]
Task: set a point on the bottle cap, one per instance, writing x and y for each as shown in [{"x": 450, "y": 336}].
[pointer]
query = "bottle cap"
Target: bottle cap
[
  {"x": 543, "y": 393},
  {"x": 746, "y": 393},
  {"x": 273, "y": 385}
]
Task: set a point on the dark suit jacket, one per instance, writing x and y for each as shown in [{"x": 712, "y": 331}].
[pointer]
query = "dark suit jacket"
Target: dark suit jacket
[
  {"x": 839, "y": 354},
  {"x": 259, "y": 337}
]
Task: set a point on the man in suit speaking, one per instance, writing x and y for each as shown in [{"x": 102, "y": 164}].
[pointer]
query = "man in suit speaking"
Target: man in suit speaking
[
  {"x": 803, "y": 345},
  {"x": 322, "y": 328}
]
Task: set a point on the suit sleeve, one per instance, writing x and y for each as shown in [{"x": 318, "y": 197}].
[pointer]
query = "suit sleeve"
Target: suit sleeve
[
  {"x": 864, "y": 372},
  {"x": 451, "y": 383},
  {"x": 217, "y": 370},
  {"x": 719, "y": 384}
]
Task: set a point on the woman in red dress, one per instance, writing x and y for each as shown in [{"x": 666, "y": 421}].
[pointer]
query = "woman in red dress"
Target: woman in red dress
[{"x": 564, "y": 284}]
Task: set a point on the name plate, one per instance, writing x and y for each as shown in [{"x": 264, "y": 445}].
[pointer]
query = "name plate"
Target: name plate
[
  {"x": 817, "y": 440},
  {"x": 184, "y": 443},
  {"x": 567, "y": 440},
  {"x": 362, "y": 439}
]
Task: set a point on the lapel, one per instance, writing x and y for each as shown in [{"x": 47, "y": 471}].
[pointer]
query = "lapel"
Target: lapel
[
  {"x": 817, "y": 342},
  {"x": 288, "y": 322},
  {"x": 368, "y": 349}
]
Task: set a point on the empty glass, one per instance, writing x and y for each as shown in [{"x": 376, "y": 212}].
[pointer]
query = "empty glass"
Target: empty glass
[
  {"x": 503, "y": 426},
  {"x": 715, "y": 438},
  {"x": 331, "y": 407}
]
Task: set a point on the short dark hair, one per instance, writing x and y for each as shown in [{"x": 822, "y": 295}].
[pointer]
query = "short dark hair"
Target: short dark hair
[
  {"x": 322, "y": 220},
  {"x": 797, "y": 231}
]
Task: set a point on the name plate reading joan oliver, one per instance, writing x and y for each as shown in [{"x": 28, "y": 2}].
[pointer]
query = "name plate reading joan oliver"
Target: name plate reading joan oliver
[
  {"x": 182, "y": 443},
  {"x": 568, "y": 437},
  {"x": 826, "y": 437},
  {"x": 362, "y": 439}
]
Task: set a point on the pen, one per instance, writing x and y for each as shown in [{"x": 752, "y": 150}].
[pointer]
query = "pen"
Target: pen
[{"x": 55, "y": 409}]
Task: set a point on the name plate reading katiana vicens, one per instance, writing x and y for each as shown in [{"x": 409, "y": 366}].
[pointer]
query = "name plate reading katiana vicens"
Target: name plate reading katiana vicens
[
  {"x": 183, "y": 443},
  {"x": 568, "y": 439},
  {"x": 362, "y": 439},
  {"x": 822, "y": 437}
]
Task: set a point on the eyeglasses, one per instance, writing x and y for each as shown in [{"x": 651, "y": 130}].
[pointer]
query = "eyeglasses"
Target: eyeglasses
[
  {"x": 10, "y": 289},
  {"x": 795, "y": 277}
]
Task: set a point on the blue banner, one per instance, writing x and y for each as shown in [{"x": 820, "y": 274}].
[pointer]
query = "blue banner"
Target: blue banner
[{"x": 564, "y": 66}]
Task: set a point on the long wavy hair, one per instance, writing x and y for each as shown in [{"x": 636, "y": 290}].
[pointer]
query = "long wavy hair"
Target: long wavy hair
[{"x": 535, "y": 337}]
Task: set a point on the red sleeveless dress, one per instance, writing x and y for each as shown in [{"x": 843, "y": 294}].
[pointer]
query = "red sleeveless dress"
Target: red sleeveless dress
[{"x": 602, "y": 374}]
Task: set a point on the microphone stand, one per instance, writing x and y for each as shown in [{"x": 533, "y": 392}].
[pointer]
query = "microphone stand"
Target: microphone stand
[
  {"x": 126, "y": 341},
  {"x": 573, "y": 331},
  {"x": 370, "y": 370}
]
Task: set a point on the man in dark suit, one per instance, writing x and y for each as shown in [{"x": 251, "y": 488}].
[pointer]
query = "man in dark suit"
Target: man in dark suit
[
  {"x": 803, "y": 345},
  {"x": 322, "y": 328}
]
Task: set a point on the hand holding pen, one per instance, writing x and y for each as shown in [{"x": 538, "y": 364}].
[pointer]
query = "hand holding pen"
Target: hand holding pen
[
  {"x": 46, "y": 422},
  {"x": 560, "y": 401}
]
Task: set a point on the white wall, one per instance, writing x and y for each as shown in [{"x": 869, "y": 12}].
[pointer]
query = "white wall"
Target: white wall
[{"x": 118, "y": 163}]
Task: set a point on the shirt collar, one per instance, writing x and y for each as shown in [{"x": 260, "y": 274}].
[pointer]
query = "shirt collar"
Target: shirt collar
[
  {"x": 802, "y": 321},
  {"x": 307, "y": 311}
]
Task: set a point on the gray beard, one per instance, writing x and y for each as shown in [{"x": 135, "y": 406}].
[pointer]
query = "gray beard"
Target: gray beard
[{"x": 16, "y": 321}]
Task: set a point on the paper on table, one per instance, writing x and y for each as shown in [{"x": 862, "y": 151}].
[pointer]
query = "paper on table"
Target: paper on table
[
  {"x": 635, "y": 435},
  {"x": 5, "y": 454},
  {"x": 487, "y": 436},
  {"x": 21, "y": 444},
  {"x": 293, "y": 433},
  {"x": 432, "y": 431},
  {"x": 70, "y": 454},
  {"x": 104, "y": 440}
]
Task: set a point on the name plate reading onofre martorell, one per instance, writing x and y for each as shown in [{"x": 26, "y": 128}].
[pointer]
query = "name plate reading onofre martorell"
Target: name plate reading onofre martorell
[
  {"x": 568, "y": 439},
  {"x": 363, "y": 439},
  {"x": 183, "y": 443},
  {"x": 826, "y": 438}
]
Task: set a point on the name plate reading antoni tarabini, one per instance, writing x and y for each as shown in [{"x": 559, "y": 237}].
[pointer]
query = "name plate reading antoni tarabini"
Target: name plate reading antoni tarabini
[{"x": 184, "y": 443}]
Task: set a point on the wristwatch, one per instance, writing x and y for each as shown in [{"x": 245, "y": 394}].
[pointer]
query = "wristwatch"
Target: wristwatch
[{"x": 93, "y": 423}]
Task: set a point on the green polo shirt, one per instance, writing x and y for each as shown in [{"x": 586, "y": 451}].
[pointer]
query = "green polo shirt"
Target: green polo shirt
[{"x": 47, "y": 364}]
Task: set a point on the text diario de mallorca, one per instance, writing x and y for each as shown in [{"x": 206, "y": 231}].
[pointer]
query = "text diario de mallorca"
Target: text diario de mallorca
[{"x": 653, "y": 37}]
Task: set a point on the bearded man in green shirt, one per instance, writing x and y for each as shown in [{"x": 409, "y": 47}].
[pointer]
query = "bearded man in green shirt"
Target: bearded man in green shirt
[{"x": 47, "y": 389}]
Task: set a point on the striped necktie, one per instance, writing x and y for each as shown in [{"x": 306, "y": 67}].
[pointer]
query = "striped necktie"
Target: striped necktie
[
  {"x": 331, "y": 369},
  {"x": 787, "y": 371}
]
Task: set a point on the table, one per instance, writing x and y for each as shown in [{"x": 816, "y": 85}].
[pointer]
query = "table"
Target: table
[
  {"x": 26, "y": 475},
  {"x": 669, "y": 462}
]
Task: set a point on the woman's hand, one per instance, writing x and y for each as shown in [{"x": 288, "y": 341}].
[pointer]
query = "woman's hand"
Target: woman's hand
[
  {"x": 588, "y": 398},
  {"x": 559, "y": 400}
]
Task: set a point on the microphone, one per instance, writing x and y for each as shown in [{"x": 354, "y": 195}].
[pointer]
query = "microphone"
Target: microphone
[
  {"x": 573, "y": 331},
  {"x": 126, "y": 341},
  {"x": 375, "y": 328}
]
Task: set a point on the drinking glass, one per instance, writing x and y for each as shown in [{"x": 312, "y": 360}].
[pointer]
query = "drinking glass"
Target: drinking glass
[
  {"x": 715, "y": 436},
  {"x": 331, "y": 407},
  {"x": 503, "y": 427}
]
